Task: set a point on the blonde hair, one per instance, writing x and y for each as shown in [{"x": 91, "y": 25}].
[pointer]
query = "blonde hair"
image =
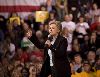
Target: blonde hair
[{"x": 58, "y": 25}]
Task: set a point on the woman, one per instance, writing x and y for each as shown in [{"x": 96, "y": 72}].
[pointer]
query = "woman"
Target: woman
[
  {"x": 56, "y": 62},
  {"x": 94, "y": 11},
  {"x": 82, "y": 27},
  {"x": 92, "y": 43}
]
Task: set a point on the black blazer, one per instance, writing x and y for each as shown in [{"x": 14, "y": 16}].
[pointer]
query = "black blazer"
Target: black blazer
[{"x": 60, "y": 61}]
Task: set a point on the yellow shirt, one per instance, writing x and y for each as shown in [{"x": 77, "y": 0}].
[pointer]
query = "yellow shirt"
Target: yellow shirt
[
  {"x": 85, "y": 74},
  {"x": 98, "y": 73},
  {"x": 76, "y": 75}
]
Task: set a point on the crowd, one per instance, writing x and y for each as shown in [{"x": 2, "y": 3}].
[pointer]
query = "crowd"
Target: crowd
[{"x": 80, "y": 21}]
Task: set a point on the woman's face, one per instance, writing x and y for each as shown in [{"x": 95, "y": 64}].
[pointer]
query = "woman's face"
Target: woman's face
[
  {"x": 91, "y": 56},
  {"x": 78, "y": 59},
  {"x": 67, "y": 18},
  {"x": 98, "y": 62},
  {"x": 53, "y": 30},
  {"x": 95, "y": 6},
  {"x": 81, "y": 19},
  {"x": 32, "y": 70},
  {"x": 86, "y": 67},
  {"x": 65, "y": 30}
]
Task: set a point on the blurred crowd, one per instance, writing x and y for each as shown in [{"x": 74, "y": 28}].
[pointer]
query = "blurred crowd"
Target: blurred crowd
[{"x": 80, "y": 20}]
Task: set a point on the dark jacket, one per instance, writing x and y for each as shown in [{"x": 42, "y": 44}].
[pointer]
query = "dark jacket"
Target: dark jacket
[{"x": 60, "y": 61}]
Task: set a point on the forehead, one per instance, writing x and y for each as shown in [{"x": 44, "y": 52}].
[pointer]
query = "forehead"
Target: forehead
[
  {"x": 66, "y": 15},
  {"x": 91, "y": 53},
  {"x": 77, "y": 57},
  {"x": 81, "y": 18}
]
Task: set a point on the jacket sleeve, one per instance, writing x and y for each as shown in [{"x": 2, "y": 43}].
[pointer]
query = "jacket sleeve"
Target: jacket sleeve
[{"x": 36, "y": 42}]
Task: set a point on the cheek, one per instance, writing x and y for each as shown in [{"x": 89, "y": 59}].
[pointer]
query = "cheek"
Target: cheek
[
  {"x": 54, "y": 31},
  {"x": 50, "y": 30}
]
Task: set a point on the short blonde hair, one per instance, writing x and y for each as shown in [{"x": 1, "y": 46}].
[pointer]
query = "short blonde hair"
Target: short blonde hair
[{"x": 58, "y": 24}]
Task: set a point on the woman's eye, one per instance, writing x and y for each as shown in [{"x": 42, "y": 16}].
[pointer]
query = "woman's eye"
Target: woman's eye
[{"x": 49, "y": 28}]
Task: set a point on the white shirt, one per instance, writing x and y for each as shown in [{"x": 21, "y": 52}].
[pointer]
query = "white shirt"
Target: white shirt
[
  {"x": 81, "y": 27},
  {"x": 69, "y": 25},
  {"x": 50, "y": 53}
]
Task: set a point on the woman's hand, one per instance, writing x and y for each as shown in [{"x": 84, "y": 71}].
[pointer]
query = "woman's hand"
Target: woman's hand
[
  {"x": 48, "y": 43},
  {"x": 29, "y": 33}
]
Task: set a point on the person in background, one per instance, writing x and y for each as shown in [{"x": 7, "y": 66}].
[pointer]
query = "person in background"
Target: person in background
[
  {"x": 62, "y": 10},
  {"x": 70, "y": 25},
  {"x": 85, "y": 45},
  {"x": 32, "y": 71},
  {"x": 52, "y": 16},
  {"x": 77, "y": 66},
  {"x": 31, "y": 22},
  {"x": 51, "y": 5},
  {"x": 96, "y": 23},
  {"x": 87, "y": 72},
  {"x": 24, "y": 57},
  {"x": 91, "y": 57},
  {"x": 82, "y": 27},
  {"x": 73, "y": 8},
  {"x": 97, "y": 65},
  {"x": 92, "y": 42},
  {"x": 76, "y": 49},
  {"x": 25, "y": 42},
  {"x": 25, "y": 72},
  {"x": 39, "y": 35},
  {"x": 94, "y": 11},
  {"x": 15, "y": 32},
  {"x": 65, "y": 34}
]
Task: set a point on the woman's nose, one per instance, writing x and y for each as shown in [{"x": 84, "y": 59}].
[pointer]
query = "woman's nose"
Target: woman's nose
[{"x": 50, "y": 29}]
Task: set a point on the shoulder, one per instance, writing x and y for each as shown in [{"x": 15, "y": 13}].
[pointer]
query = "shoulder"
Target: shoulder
[
  {"x": 62, "y": 38},
  {"x": 72, "y": 22},
  {"x": 86, "y": 24},
  {"x": 63, "y": 23}
]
